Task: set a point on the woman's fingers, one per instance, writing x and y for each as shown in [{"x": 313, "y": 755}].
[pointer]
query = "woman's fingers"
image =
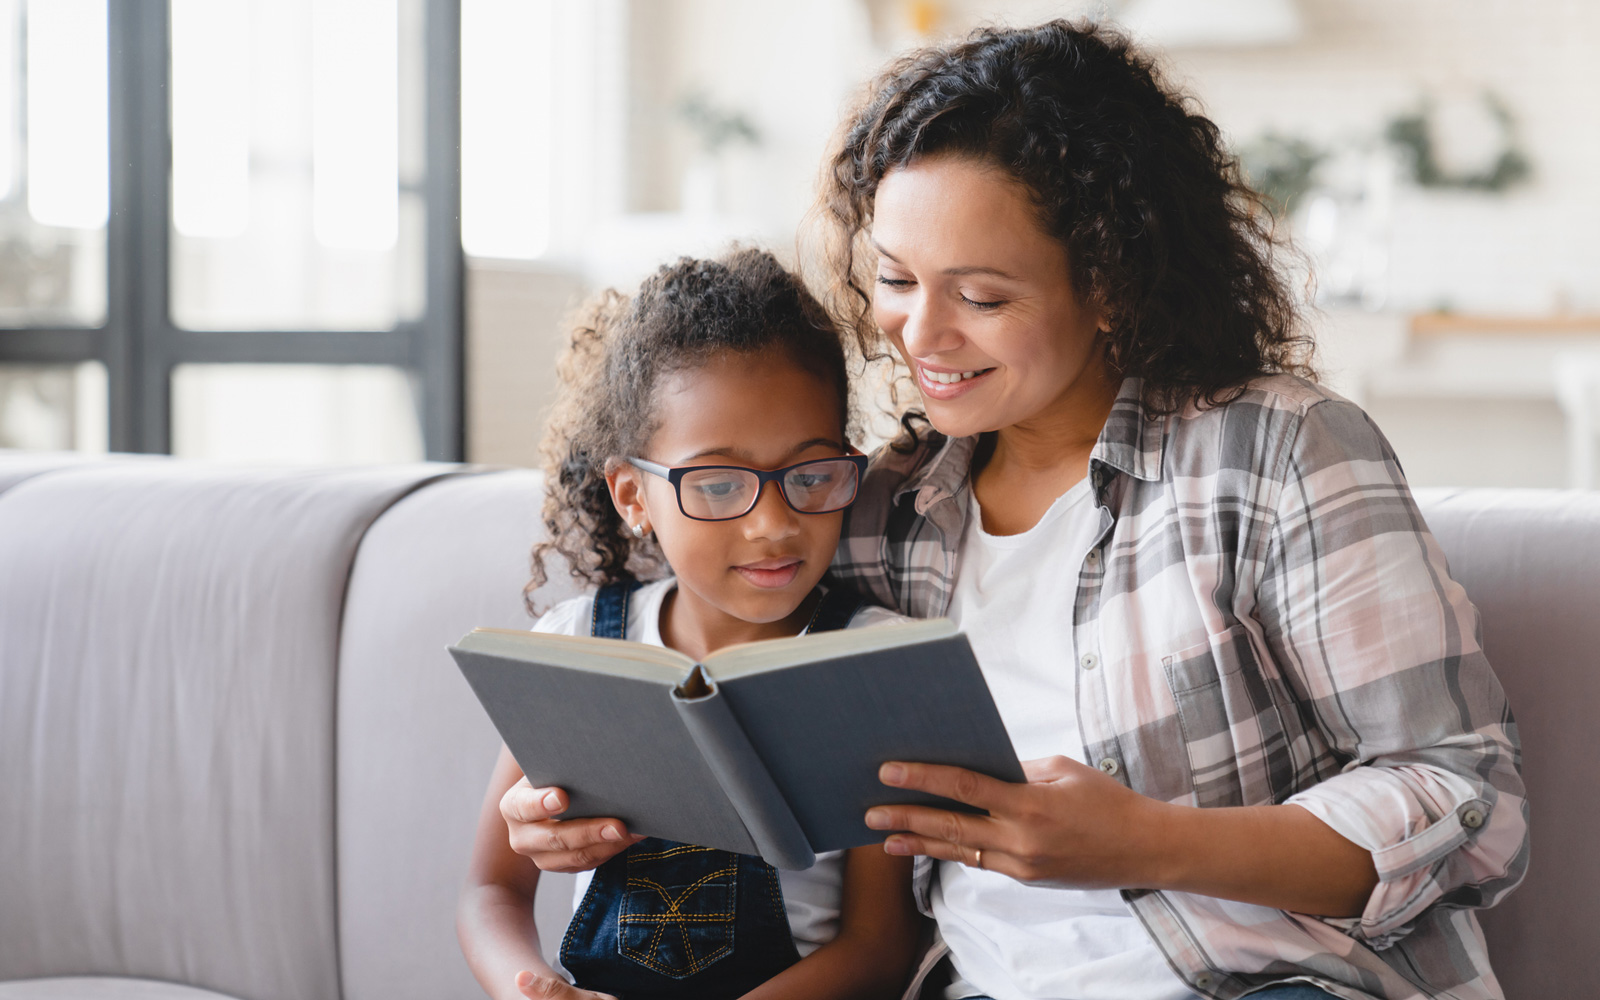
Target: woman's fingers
[
  {"x": 951, "y": 782},
  {"x": 991, "y": 859},
  {"x": 1049, "y": 768},
  {"x": 931, "y": 826}
]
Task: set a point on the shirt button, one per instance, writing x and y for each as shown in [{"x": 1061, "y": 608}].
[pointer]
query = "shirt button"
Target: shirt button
[
  {"x": 1109, "y": 765},
  {"x": 1092, "y": 559},
  {"x": 1089, "y": 661},
  {"x": 1472, "y": 819},
  {"x": 1203, "y": 980}
]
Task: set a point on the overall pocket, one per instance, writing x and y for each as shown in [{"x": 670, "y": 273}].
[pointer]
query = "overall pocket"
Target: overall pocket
[
  {"x": 1232, "y": 729},
  {"x": 677, "y": 913}
]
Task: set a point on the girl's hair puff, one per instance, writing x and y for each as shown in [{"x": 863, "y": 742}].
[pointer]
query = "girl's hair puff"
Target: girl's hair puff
[{"x": 685, "y": 315}]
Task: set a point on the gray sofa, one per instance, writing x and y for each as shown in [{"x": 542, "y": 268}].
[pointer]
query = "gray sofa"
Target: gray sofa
[{"x": 235, "y": 760}]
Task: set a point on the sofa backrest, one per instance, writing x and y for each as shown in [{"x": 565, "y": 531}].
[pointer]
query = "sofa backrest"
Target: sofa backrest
[
  {"x": 415, "y": 747},
  {"x": 167, "y": 701},
  {"x": 1530, "y": 561}
]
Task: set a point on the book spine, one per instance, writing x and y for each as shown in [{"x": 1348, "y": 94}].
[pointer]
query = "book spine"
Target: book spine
[{"x": 771, "y": 823}]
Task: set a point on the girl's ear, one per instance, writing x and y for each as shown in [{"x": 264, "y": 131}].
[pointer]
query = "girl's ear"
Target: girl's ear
[{"x": 627, "y": 495}]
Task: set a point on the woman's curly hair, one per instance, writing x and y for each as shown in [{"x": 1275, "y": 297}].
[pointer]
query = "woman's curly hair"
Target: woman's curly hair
[
  {"x": 686, "y": 314},
  {"x": 1160, "y": 230}
]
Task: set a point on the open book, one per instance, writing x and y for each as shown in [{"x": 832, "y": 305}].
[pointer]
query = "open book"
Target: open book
[{"x": 768, "y": 748}]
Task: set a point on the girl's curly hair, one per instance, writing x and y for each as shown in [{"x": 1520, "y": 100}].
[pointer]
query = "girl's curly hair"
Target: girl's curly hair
[
  {"x": 1160, "y": 230},
  {"x": 684, "y": 315}
]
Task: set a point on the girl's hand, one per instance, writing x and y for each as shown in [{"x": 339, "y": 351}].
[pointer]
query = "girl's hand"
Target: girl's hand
[
  {"x": 1069, "y": 825},
  {"x": 554, "y": 988},
  {"x": 555, "y": 845}
]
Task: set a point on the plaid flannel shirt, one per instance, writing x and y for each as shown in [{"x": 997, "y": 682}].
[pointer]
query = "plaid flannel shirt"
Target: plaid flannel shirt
[{"x": 1273, "y": 623}]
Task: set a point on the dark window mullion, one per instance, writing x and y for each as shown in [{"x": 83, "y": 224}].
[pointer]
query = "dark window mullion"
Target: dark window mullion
[
  {"x": 136, "y": 234},
  {"x": 438, "y": 340},
  {"x": 52, "y": 345}
]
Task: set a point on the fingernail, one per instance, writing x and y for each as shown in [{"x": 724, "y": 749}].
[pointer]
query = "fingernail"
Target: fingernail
[
  {"x": 895, "y": 845},
  {"x": 877, "y": 819},
  {"x": 891, "y": 774},
  {"x": 610, "y": 833},
  {"x": 552, "y": 801}
]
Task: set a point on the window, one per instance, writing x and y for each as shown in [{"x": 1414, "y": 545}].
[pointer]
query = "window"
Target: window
[{"x": 280, "y": 279}]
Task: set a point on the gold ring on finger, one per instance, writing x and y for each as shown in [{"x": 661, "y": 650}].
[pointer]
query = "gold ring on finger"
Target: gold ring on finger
[{"x": 977, "y": 861}]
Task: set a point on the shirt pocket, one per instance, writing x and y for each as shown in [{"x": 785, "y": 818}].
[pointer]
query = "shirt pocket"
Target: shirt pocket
[
  {"x": 1232, "y": 729},
  {"x": 678, "y": 910}
]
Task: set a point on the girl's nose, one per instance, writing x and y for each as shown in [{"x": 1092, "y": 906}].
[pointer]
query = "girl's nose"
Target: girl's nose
[{"x": 771, "y": 517}]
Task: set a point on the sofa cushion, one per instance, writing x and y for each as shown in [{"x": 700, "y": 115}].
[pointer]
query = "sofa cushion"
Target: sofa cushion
[
  {"x": 1530, "y": 561},
  {"x": 166, "y": 715},
  {"x": 16, "y": 466},
  {"x": 101, "y": 988},
  {"x": 415, "y": 747}
]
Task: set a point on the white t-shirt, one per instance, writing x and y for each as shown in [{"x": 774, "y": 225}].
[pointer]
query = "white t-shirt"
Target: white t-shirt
[
  {"x": 811, "y": 897},
  {"x": 1010, "y": 940}
]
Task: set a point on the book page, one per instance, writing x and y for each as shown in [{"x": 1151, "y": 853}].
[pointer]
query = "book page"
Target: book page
[
  {"x": 582, "y": 652},
  {"x": 776, "y": 654}
]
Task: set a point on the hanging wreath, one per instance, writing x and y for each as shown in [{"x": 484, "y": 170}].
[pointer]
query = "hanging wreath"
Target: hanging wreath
[{"x": 1412, "y": 135}]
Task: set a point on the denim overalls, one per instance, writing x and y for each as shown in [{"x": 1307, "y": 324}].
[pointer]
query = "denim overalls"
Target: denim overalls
[{"x": 669, "y": 920}]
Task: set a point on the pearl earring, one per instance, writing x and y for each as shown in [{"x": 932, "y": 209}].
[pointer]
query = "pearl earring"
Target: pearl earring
[{"x": 638, "y": 532}]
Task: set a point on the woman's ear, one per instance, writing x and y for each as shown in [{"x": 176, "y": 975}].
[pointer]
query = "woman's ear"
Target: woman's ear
[{"x": 626, "y": 484}]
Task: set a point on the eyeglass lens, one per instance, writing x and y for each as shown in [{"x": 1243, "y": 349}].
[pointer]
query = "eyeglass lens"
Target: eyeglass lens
[{"x": 813, "y": 488}]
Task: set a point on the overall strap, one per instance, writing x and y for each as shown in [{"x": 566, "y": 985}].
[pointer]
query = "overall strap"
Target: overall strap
[
  {"x": 839, "y": 604},
  {"x": 610, "y": 619}
]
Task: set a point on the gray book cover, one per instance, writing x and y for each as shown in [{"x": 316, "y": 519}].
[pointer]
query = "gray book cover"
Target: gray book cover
[{"x": 772, "y": 748}]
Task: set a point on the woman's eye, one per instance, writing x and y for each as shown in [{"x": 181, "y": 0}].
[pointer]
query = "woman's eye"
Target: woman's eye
[
  {"x": 810, "y": 480},
  {"x": 976, "y": 304},
  {"x": 893, "y": 282}
]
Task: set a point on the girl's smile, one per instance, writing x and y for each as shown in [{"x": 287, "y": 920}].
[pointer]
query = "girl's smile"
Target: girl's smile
[{"x": 771, "y": 574}]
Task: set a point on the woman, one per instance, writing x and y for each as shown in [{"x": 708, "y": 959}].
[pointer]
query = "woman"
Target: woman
[
  {"x": 1267, "y": 754},
  {"x": 1198, "y": 584}
]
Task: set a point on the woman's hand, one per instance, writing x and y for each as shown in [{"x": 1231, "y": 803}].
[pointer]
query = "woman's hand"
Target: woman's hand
[
  {"x": 1069, "y": 825},
  {"x": 554, "y": 988},
  {"x": 559, "y": 845}
]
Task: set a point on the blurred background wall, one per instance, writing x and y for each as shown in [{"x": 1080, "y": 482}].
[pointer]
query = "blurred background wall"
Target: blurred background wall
[{"x": 1435, "y": 161}]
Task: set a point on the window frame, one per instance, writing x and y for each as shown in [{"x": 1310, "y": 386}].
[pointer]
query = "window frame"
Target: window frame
[{"x": 139, "y": 343}]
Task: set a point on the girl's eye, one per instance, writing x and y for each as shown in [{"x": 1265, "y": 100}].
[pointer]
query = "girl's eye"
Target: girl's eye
[
  {"x": 983, "y": 306},
  {"x": 717, "y": 491},
  {"x": 893, "y": 282},
  {"x": 810, "y": 480}
]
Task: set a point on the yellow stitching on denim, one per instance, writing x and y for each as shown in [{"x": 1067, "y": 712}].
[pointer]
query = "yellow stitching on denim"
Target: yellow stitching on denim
[
  {"x": 674, "y": 915},
  {"x": 671, "y": 851}
]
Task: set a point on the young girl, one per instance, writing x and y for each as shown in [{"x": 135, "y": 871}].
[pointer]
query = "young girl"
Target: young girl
[{"x": 719, "y": 380}]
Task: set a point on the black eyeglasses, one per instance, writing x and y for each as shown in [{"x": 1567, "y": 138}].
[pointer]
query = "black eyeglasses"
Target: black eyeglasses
[{"x": 724, "y": 492}]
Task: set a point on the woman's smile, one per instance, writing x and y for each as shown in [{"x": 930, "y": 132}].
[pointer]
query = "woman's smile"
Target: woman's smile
[{"x": 944, "y": 383}]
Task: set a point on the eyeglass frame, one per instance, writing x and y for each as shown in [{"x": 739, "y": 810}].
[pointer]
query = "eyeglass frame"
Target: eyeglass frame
[{"x": 763, "y": 477}]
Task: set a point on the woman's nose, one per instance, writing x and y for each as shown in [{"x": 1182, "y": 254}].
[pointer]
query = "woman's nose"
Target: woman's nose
[{"x": 929, "y": 328}]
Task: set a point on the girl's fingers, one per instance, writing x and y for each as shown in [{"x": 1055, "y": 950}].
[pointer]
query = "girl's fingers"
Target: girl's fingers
[
  {"x": 562, "y": 836},
  {"x": 951, "y": 782},
  {"x": 584, "y": 860},
  {"x": 522, "y": 803}
]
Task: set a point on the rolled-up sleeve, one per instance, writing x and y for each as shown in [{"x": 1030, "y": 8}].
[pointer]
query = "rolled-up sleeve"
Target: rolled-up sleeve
[{"x": 1359, "y": 611}]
